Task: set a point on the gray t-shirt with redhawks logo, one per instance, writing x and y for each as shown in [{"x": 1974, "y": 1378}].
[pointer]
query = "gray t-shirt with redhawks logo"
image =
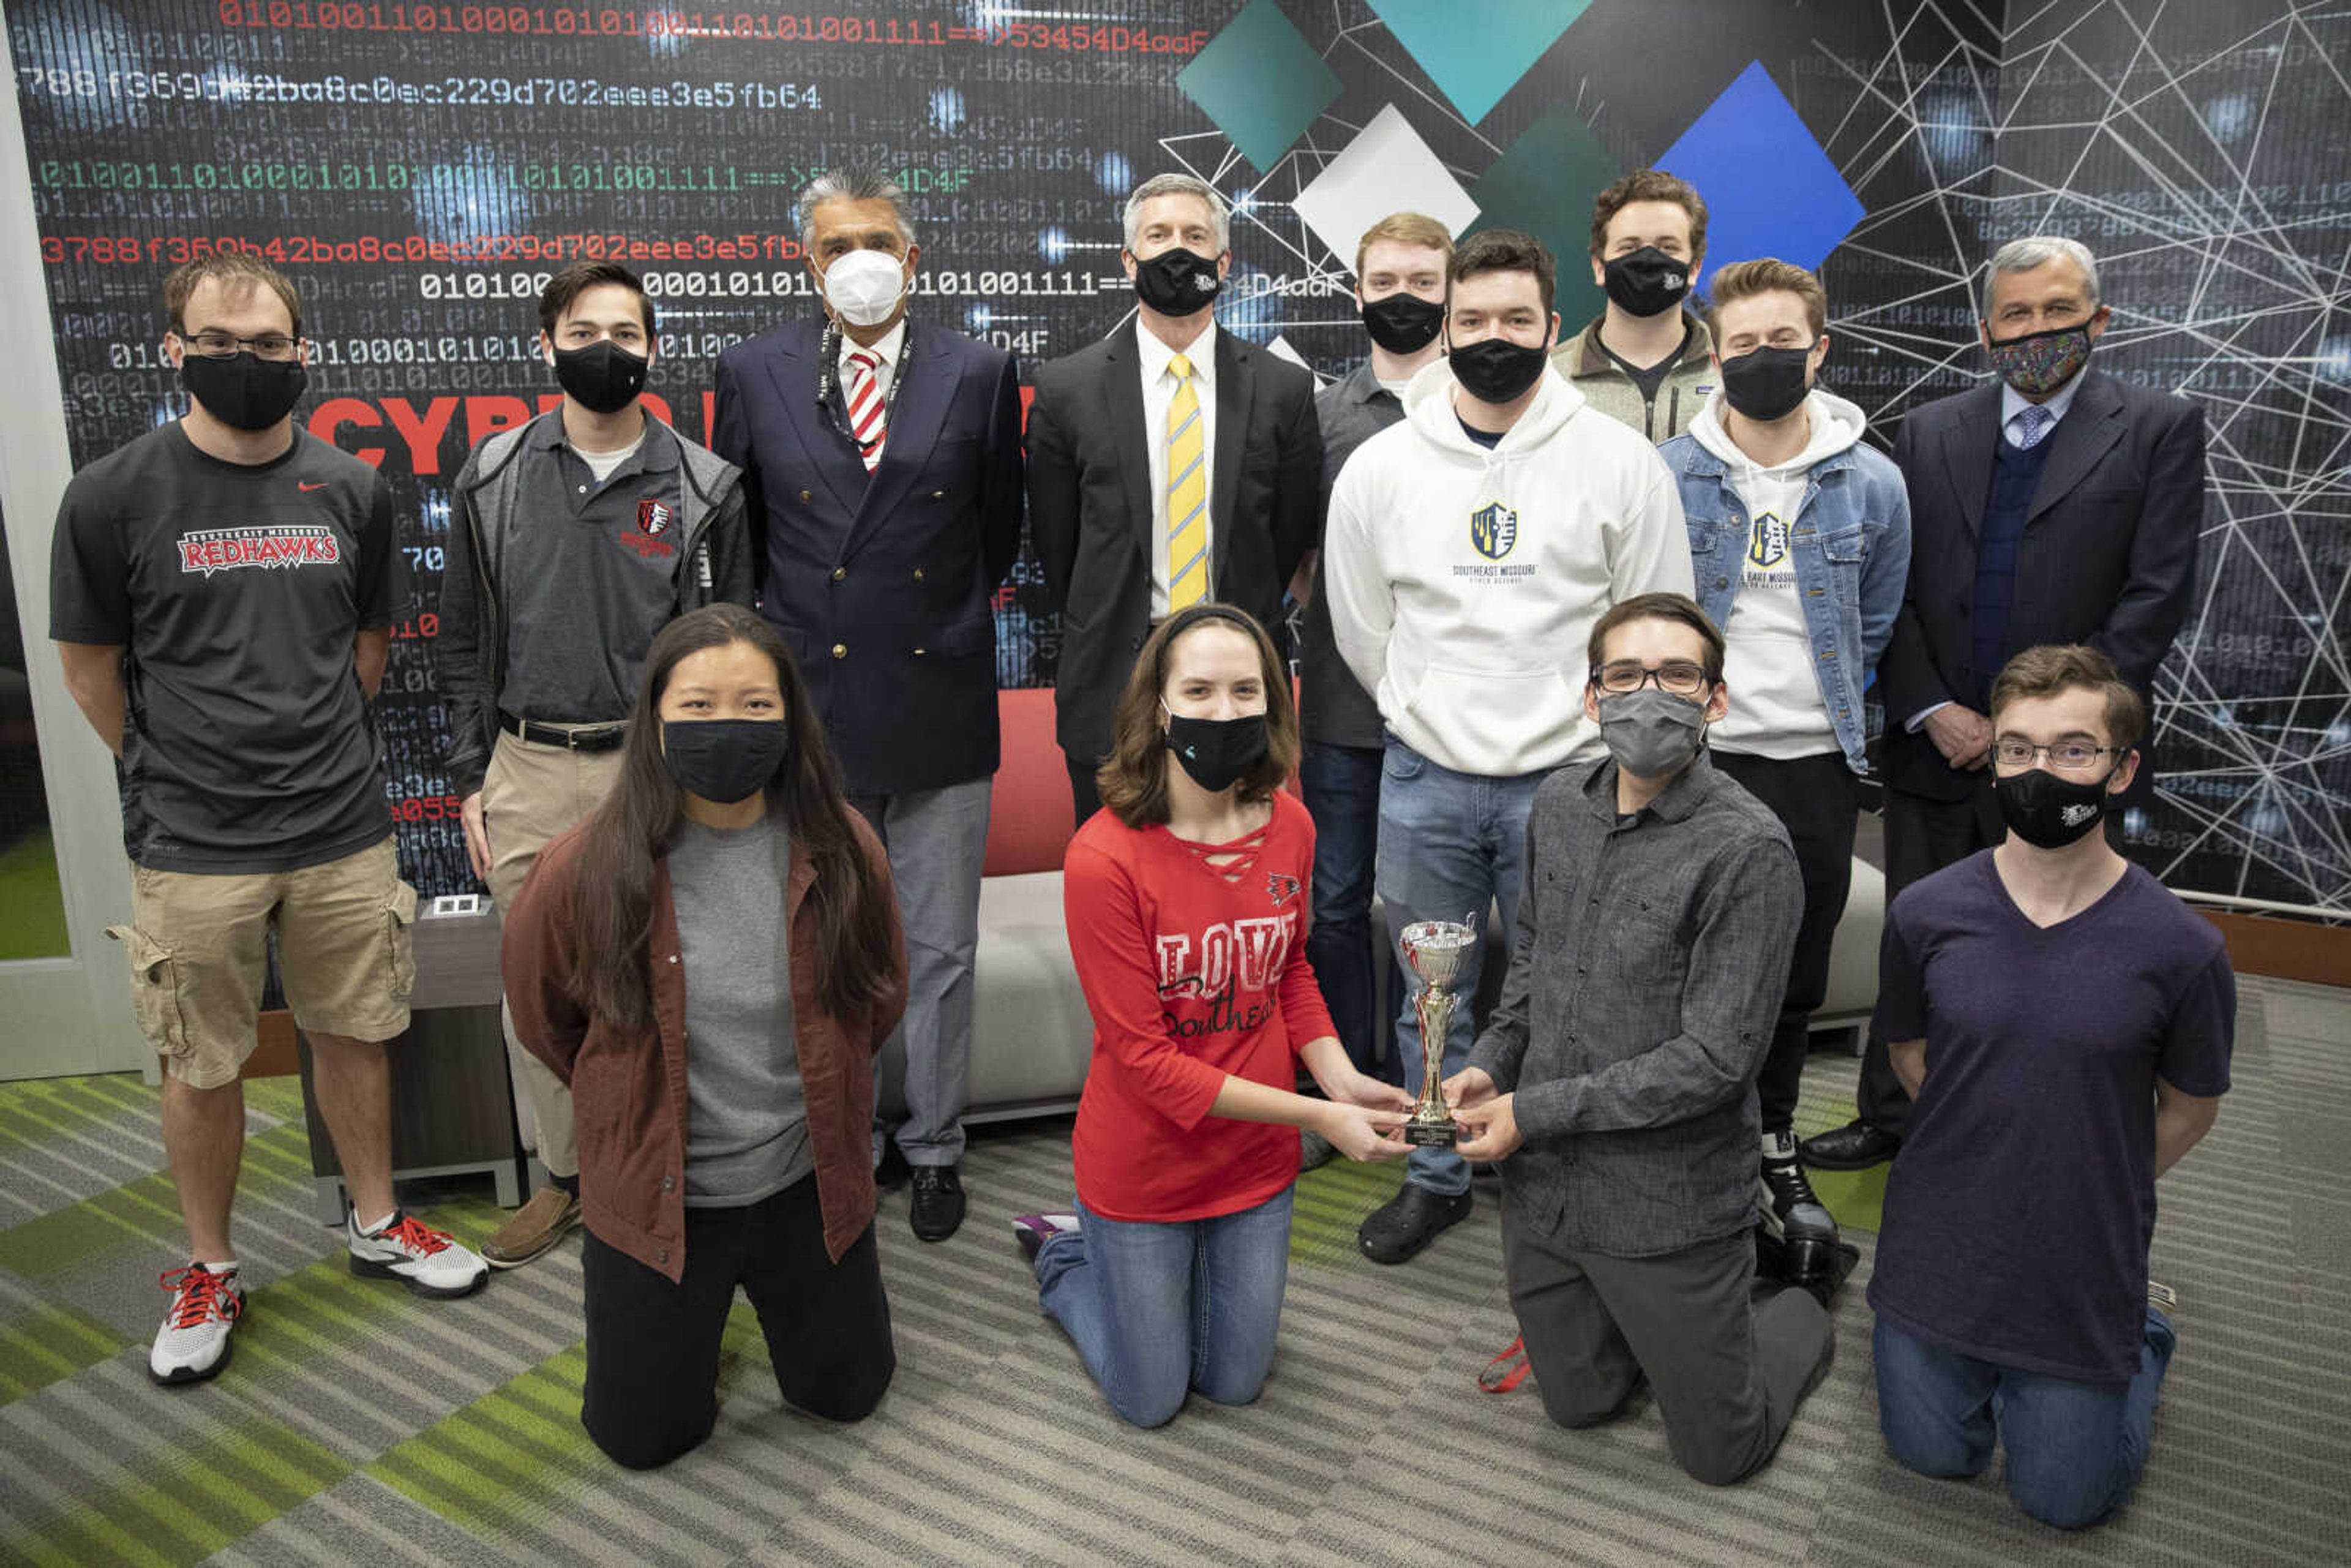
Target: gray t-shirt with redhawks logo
[
  {"x": 591, "y": 575},
  {"x": 238, "y": 591}
]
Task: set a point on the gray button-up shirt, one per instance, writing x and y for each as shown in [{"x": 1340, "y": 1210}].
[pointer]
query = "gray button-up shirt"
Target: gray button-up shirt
[
  {"x": 1332, "y": 706},
  {"x": 1645, "y": 976}
]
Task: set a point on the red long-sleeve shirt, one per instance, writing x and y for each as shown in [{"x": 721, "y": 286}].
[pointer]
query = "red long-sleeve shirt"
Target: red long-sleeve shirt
[{"x": 1192, "y": 972}]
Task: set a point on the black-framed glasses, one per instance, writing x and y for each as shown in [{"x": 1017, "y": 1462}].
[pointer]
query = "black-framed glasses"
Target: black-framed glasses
[
  {"x": 214, "y": 344},
  {"x": 1677, "y": 677},
  {"x": 2009, "y": 751}
]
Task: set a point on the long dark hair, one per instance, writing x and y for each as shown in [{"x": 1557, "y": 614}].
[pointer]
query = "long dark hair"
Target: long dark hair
[
  {"x": 1133, "y": 780},
  {"x": 612, "y": 893}
]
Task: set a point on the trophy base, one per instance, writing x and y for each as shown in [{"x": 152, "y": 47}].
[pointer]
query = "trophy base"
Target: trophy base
[{"x": 1431, "y": 1134}]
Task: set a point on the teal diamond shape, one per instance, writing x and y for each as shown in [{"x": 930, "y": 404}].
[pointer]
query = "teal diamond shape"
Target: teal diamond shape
[
  {"x": 1476, "y": 50},
  {"x": 1260, "y": 83},
  {"x": 1544, "y": 184}
]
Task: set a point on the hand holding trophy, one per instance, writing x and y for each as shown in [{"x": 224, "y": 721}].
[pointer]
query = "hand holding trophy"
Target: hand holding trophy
[{"x": 1438, "y": 952}]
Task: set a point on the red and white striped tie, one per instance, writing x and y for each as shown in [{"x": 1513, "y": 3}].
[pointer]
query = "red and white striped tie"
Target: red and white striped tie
[{"x": 865, "y": 420}]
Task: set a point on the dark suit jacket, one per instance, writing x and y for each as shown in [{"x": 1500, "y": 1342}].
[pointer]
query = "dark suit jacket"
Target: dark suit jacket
[
  {"x": 1090, "y": 508},
  {"x": 883, "y": 583},
  {"x": 2108, "y": 555}
]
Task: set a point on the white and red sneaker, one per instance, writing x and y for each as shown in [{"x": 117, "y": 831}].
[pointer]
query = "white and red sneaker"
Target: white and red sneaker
[
  {"x": 427, "y": 1261},
  {"x": 194, "y": 1343}
]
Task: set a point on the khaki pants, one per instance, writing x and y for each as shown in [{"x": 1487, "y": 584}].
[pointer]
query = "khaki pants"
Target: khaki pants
[{"x": 530, "y": 794}]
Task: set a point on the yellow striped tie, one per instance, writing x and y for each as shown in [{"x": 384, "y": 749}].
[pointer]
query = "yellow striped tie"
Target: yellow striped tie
[{"x": 1187, "y": 495}]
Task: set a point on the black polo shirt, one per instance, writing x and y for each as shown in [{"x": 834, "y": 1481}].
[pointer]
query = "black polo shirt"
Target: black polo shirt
[{"x": 589, "y": 574}]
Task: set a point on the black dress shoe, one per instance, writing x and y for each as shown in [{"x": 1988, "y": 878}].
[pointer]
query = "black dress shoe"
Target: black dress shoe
[
  {"x": 1409, "y": 1221},
  {"x": 890, "y": 1173},
  {"x": 938, "y": 1202},
  {"x": 1855, "y": 1146}
]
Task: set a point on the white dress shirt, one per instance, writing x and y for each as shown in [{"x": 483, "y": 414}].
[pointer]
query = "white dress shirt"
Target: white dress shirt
[{"x": 1158, "y": 393}]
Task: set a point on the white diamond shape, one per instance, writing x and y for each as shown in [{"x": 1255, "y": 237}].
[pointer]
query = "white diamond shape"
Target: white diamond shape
[
  {"x": 1386, "y": 169},
  {"x": 1282, "y": 348}
]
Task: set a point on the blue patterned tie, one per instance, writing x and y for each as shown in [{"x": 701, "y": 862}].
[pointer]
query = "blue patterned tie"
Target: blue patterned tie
[{"x": 2032, "y": 425}]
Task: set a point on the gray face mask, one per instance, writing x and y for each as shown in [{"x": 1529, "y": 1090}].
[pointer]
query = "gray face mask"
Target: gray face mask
[{"x": 1651, "y": 733}]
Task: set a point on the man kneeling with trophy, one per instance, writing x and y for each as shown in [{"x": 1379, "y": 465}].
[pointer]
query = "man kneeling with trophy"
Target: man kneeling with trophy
[{"x": 1616, "y": 1077}]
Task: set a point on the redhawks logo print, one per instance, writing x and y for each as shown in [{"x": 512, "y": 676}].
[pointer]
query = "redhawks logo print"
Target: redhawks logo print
[
  {"x": 654, "y": 522},
  {"x": 270, "y": 544},
  {"x": 1279, "y": 888}
]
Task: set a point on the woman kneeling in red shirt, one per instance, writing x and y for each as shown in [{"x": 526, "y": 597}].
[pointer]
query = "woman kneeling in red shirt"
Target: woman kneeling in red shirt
[{"x": 1187, "y": 904}]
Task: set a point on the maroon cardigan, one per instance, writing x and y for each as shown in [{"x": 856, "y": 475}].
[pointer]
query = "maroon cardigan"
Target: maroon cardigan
[{"x": 627, "y": 1083}]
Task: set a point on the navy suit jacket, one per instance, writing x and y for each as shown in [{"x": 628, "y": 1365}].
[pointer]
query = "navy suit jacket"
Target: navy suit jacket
[
  {"x": 883, "y": 583},
  {"x": 2108, "y": 555},
  {"x": 1090, "y": 508}
]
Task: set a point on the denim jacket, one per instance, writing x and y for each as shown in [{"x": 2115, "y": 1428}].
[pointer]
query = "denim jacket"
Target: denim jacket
[{"x": 1851, "y": 539}]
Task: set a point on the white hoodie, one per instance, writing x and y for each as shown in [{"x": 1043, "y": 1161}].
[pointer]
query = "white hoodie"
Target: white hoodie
[
  {"x": 1776, "y": 707},
  {"x": 1464, "y": 582}
]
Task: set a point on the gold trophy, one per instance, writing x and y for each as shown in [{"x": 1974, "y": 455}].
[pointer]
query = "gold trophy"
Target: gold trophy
[{"x": 1437, "y": 951}]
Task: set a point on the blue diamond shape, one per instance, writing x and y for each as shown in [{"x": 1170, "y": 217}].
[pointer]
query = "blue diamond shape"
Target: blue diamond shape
[
  {"x": 1476, "y": 50},
  {"x": 1260, "y": 83},
  {"x": 1769, "y": 188}
]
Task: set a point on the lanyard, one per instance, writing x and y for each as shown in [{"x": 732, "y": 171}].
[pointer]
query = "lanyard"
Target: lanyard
[{"x": 828, "y": 379}]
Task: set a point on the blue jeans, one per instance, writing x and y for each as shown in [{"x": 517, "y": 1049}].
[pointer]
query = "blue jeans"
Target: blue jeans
[
  {"x": 1341, "y": 786},
  {"x": 2074, "y": 1449},
  {"x": 1451, "y": 844},
  {"x": 1155, "y": 1309}
]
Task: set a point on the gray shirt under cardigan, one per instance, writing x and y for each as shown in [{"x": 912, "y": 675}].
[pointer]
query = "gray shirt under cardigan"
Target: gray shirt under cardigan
[
  {"x": 1645, "y": 976},
  {"x": 746, "y": 1118},
  {"x": 1332, "y": 706}
]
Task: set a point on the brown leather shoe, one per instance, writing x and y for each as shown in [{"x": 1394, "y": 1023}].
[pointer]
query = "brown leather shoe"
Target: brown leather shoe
[{"x": 537, "y": 1225}]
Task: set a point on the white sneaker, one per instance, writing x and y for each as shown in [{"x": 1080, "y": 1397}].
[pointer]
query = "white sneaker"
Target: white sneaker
[
  {"x": 194, "y": 1343},
  {"x": 410, "y": 1250}
]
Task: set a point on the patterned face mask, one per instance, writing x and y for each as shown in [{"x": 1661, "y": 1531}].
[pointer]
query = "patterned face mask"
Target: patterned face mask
[{"x": 2040, "y": 362}]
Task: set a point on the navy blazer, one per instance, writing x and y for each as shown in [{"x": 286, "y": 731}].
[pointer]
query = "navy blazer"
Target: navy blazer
[
  {"x": 2108, "y": 555},
  {"x": 883, "y": 583},
  {"x": 1090, "y": 508}
]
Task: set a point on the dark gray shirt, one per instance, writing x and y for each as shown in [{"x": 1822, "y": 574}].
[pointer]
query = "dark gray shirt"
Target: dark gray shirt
[
  {"x": 236, "y": 590},
  {"x": 1645, "y": 976},
  {"x": 1332, "y": 706},
  {"x": 747, "y": 1119},
  {"x": 592, "y": 575}
]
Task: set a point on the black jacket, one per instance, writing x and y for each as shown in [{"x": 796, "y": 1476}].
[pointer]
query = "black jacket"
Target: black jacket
[
  {"x": 883, "y": 583},
  {"x": 1090, "y": 508},
  {"x": 2108, "y": 555},
  {"x": 470, "y": 652}
]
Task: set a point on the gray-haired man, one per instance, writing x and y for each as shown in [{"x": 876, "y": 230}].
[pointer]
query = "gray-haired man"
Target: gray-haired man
[
  {"x": 882, "y": 458},
  {"x": 2054, "y": 505},
  {"x": 1168, "y": 463}
]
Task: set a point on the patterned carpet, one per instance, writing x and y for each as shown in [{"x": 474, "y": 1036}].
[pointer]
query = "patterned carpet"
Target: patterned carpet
[{"x": 360, "y": 1425}]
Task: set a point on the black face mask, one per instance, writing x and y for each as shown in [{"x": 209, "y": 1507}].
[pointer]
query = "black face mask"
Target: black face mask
[
  {"x": 244, "y": 390},
  {"x": 1217, "y": 751},
  {"x": 2049, "y": 812},
  {"x": 1766, "y": 383},
  {"x": 723, "y": 760},
  {"x": 1645, "y": 281},
  {"x": 1497, "y": 371},
  {"x": 1402, "y": 323},
  {"x": 1176, "y": 282},
  {"x": 602, "y": 377}
]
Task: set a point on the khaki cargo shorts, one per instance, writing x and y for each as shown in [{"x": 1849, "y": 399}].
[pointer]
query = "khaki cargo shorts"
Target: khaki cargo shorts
[{"x": 197, "y": 956}]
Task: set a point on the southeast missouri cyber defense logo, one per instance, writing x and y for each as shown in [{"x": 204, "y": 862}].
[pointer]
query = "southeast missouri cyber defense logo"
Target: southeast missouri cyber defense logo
[{"x": 1493, "y": 528}]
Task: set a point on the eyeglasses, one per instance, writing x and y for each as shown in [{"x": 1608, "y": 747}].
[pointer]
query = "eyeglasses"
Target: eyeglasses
[
  {"x": 1678, "y": 677},
  {"x": 217, "y": 345},
  {"x": 2011, "y": 752}
]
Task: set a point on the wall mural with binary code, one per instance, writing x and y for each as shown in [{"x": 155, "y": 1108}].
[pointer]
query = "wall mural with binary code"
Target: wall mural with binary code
[{"x": 419, "y": 169}]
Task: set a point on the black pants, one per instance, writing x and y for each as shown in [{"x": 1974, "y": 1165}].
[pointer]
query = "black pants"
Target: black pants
[
  {"x": 1814, "y": 799},
  {"x": 652, "y": 1347},
  {"x": 1728, "y": 1376},
  {"x": 1084, "y": 797}
]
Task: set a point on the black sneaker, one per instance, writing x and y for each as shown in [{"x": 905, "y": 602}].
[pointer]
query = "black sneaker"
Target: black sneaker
[
  {"x": 1793, "y": 1214},
  {"x": 938, "y": 1202},
  {"x": 1399, "y": 1229}
]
